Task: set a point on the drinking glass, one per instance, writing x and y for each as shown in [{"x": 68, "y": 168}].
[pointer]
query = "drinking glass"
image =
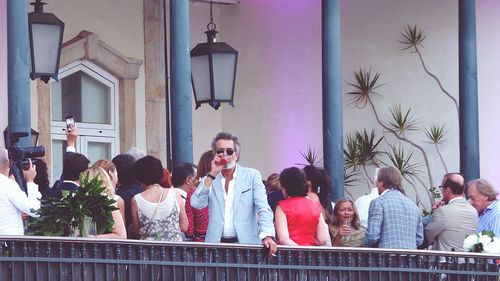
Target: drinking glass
[{"x": 347, "y": 238}]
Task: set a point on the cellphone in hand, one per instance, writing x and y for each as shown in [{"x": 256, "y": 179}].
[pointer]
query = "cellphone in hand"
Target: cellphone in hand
[{"x": 70, "y": 123}]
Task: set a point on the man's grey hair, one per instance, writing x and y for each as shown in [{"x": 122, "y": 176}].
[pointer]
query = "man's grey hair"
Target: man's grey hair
[
  {"x": 226, "y": 136},
  {"x": 4, "y": 158},
  {"x": 136, "y": 153},
  {"x": 484, "y": 188}
]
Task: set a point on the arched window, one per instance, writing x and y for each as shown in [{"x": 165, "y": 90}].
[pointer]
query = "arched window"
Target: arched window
[{"x": 89, "y": 94}]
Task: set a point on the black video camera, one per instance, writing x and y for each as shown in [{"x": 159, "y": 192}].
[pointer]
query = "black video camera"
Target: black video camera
[{"x": 21, "y": 156}]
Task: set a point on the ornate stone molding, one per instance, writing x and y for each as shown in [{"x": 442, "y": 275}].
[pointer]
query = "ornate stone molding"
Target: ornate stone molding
[{"x": 87, "y": 46}]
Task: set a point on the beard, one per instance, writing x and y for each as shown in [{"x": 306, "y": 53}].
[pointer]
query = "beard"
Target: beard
[{"x": 230, "y": 165}]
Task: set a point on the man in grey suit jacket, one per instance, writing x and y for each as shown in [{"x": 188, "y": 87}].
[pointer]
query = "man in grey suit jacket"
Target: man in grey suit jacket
[
  {"x": 235, "y": 195},
  {"x": 452, "y": 222},
  {"x": 394, "y": 221}
]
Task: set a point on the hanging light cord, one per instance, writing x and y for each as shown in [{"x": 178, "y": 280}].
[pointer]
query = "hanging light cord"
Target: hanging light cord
[{"x": 211, "y": 25}]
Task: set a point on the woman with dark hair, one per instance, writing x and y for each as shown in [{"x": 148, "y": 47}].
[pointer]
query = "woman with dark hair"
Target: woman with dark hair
[
  {"x": 157, "y": 213},
  {"x": 198, "y": 219},
  {"x": 42, "y": 177},
  {"x": 298, "y": 219},
  {"x": 319, "y": 187},
  {"x": 127, "y": 186},
  {"x": 274, "y": 194},
  {"x": 346, "y": 229}
]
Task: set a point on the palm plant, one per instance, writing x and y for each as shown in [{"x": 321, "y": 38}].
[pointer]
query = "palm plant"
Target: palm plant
[
  {"x": 402, "y": 121},
  {"x": 393, "y": 132},
  {"x": 402, "y": 161},
  {"x": 311, "y": 156},
  {"x": 350, "y": 177},
  {"x": 436, "y": 134},
  {"x": 365, "y": 86},
  {"x": 362, "y": 150},
  {"x": 351, "y": 153},
  {"x": 412, "y": 40}
]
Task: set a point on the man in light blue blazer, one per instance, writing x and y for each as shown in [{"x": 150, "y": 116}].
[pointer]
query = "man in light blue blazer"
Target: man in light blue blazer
[{"x": 236, "y": 199}]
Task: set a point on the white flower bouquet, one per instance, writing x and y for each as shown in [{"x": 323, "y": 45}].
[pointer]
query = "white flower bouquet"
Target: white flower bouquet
[{"x": 483, "y": 242}]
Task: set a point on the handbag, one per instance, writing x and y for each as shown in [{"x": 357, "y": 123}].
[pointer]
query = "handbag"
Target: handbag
[{"x": 151, "y": 222}]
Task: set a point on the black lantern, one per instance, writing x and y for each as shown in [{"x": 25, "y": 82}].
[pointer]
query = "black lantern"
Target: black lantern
[
  {"x": 213, "y": 69},
  {"x": 46, "y": 35}
]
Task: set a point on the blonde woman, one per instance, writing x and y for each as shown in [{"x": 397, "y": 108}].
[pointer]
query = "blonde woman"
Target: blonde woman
[
  {"x": 110, "y": 169},
  {"x": 119, "y": 230},
  {"x": 346, "y": 230}
]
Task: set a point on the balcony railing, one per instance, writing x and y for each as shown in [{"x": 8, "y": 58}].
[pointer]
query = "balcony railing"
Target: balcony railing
[{"x": 62, "y": 258}]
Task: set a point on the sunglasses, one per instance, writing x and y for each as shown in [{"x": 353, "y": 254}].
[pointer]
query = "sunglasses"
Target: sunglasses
[{"x": 229, "y": 151}]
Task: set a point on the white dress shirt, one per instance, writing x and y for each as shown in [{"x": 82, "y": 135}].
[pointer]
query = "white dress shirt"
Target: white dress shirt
[
  {"x": 229, "y": 229},
  {"x": 13, "y": 201}
]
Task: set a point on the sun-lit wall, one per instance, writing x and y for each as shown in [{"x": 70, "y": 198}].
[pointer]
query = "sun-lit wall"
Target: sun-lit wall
[
  {"x": 118, "y": 23},
  {"x": 278, "y": 91},
  {"x": 277, "y": 110}
]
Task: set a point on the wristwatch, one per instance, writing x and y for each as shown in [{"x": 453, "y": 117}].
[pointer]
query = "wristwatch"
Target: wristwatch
[{"x": 210, "y": 176}]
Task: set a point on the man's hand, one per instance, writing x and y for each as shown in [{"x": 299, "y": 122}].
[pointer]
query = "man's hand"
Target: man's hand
[
  {"x": 438, "y": 204},
  {"x": 30, "y": 174},
  {"x": 269, "y": 243},
  {"x": 71, "y": 136}
]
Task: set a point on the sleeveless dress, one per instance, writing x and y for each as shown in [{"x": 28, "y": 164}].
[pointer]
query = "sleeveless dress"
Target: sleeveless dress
[
  {"x": 165, "y": 225},
  {"x": 302, "y": 216}
]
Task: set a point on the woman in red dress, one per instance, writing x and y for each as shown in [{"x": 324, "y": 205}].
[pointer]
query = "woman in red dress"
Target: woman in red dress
[{"x": 298, "y": 219}]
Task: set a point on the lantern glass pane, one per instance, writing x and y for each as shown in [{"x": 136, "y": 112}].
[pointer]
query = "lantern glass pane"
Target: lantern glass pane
[
  {"x": 200, "y": 71},
  {"x": 224, "y": 72},
  {"x": 45, "y": 46}
]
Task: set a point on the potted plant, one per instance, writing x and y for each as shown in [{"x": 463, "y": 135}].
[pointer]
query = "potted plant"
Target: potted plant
[{"x": 76, "y": 212}]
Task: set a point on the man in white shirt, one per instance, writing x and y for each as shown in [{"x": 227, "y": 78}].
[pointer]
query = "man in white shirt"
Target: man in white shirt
[
  {"x": 234, "y": 195},
  {"x": 184, "y": 179},
  {"x": 363, "y": 202},
  {"x": 13, "y": 201}
]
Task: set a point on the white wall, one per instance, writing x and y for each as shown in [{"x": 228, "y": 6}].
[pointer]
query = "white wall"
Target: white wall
[
  {"x": 277, "y": 110},
  {"x": 488, "y": 40},
  {"x": 278, "y": 91}
]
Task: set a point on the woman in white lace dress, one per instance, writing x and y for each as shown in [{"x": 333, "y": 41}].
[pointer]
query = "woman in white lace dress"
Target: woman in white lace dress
[{"x": 157, "y": 213}]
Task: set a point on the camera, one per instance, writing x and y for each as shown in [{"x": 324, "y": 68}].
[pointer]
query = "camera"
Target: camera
[{"x": 20, "y": 156}]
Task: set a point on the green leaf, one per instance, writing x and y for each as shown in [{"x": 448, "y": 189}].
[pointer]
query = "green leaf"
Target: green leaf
[
  {"x": 364, "y": 86},
  {"x": 402, "y": 121},
  {"x": 436, "y": 133},
  {"x": 402, "y": 161},
  {"x": 412, "y": 37},
  {"x": 58, "y": 216},
  {"x": 311, "y": 156}
]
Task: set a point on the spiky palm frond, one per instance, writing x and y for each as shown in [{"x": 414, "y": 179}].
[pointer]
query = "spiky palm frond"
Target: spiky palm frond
[
  {"x": 351, "y": 152},
  {"x": 402, "y": 161},
  {"x": 350, "y": 177},
  {"x": 367, "y": 147},
  {"x": 364, "y": 85},
  {"x": 412, "y": 37},
  {"x": 402, "y": 121},
  {"x": 311, "y": 156},
  {"x": 436, "y": 133}
]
